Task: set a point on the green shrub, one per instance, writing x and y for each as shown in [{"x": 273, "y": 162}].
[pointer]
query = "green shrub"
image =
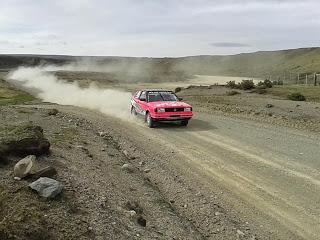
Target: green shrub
[
  {"x": 267, "y": 83},
  {"x": 247, "y": 84},
  {"x": 232, "y": 85},
  {"x": 296, "y": 97},
  {"x": 177, "y": 89},
  {"x": 277, "y": 82}
]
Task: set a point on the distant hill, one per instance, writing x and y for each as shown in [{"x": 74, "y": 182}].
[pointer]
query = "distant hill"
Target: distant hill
[{"x": 258, "y": 64}]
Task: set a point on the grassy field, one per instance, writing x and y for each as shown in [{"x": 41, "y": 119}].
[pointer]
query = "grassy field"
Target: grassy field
[
  {"x": 312, "y": 93},
  {"x": 10, "y": 95}
]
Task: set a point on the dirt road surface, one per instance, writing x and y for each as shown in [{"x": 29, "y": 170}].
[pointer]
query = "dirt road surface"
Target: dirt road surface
[{"x": 266, "y": 175}]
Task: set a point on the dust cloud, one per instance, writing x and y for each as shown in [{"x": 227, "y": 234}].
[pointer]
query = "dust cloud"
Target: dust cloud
[{"x": 45, "y": 85}]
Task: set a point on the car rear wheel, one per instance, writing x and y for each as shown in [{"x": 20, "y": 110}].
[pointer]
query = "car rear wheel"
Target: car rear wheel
[
  {"x": 184, "y": 122},
  {"x": 149, "y": 120}
]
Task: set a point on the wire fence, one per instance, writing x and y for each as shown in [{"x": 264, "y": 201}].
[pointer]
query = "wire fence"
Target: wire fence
[{"x": 295, "y": 78}]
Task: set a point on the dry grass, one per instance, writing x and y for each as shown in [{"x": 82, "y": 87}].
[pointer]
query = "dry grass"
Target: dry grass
[{"x": 312, "y": 93}]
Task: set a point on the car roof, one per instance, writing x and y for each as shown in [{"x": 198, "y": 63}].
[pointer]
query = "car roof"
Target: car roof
[{"x": 156, "y": 90}]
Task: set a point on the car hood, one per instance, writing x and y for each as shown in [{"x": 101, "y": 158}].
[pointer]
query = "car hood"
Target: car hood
[{"x": 168, "y": 104}]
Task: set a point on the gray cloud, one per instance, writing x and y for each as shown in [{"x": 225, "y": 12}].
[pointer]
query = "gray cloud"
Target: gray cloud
[
  {"x": 158, "y": 27},
  {"x": 230, "y": 44}
]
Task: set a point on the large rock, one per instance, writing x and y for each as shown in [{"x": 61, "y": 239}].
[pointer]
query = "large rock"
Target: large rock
[
  {"x": 24, "y": 167},
  {"x": 26, "y": 139},
  {"x": 45, "y": 172},
  {"x": 46, "y": 187}
]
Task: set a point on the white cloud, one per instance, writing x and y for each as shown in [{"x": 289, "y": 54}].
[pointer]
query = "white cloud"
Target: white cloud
[{"x": 156, "y": 28}]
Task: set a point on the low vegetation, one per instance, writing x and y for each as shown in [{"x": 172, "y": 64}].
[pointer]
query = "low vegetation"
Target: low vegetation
[
  {"x": 11, "y": 96},
  {"x": 64, "y": 136},
  {"x": 296, "y": 97},
  {"x": 276, "y": 88},
  {"x": 249, "y": 84},
  {"x": 310, "y": 92},
  {"x": 232, "y": 93}
]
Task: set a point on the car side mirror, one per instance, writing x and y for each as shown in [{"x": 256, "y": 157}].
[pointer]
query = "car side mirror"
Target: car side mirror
[{"x": 180, "y": 98}]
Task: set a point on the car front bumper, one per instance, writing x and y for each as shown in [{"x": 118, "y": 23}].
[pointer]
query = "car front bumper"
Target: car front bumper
[{"x": 172, "y": 116}]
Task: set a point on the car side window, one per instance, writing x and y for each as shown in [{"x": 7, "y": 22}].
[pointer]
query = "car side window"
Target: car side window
[{"x": 143, "y": 95}]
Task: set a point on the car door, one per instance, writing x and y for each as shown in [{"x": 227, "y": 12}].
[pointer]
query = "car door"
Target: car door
[
  {"x": 140, "y": 102},
  {"x": 143, "y": 102}
]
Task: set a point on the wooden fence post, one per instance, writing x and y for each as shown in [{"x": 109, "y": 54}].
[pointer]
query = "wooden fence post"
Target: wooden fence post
[
  {"x": 306, "y": 78},
  {"x": 290, "y": 76},
  {"x": 315, "y": 79}
]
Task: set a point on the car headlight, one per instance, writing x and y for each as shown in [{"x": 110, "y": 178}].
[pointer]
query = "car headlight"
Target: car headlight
[
  {"x": 188, "y": 109},
  {"x": 160, "y": 109}
]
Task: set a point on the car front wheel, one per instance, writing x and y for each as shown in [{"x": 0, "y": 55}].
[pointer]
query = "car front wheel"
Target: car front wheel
[
  {"x": 133, "y": 110},
  {"x": 149, "y": 120},
  {"x": 184, "y": 122}
]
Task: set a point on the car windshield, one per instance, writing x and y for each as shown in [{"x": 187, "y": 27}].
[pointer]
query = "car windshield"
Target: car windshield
[{"x": 161, "y": 96}]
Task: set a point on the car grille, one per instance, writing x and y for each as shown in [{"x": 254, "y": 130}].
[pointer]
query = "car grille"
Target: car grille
[{"x": 174, "y": 109}]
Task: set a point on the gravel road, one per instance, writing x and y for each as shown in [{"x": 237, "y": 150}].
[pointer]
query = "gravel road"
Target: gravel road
[
  {"x": 274, "y": 170},
  {"x": 266, "y": 175}
]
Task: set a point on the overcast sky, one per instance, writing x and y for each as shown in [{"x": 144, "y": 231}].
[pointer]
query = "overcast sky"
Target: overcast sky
[{"x": 156, "y": 27}]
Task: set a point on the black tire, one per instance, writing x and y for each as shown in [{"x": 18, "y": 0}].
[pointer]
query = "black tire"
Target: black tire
[
  {"x": 133, "y": 111},
  {"x": 149, "y": 120},
  {"x": 184, "y": 123}
]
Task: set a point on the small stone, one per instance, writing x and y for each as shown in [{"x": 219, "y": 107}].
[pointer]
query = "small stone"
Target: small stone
[
  {"x": 102, "y": 134},
  {"x": 45, "y": 172},
  {"x": 132, "y": 213},
  {"x": 141, "y": 221},
  {"x": 217, "y": 213},
  {"x": 17, "y": 178},
  {"x": 269, "y": 105},
  {"x": 125, "y": 152},
  {"x": 127, "y": 167},
  {"x": 240, "y": 232},
  {"x": 147, "y": 170},
  {"x": 53, "y": 112}
]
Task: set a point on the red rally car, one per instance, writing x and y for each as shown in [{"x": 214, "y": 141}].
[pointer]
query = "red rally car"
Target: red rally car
[{"x": 159, "y": 106}]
